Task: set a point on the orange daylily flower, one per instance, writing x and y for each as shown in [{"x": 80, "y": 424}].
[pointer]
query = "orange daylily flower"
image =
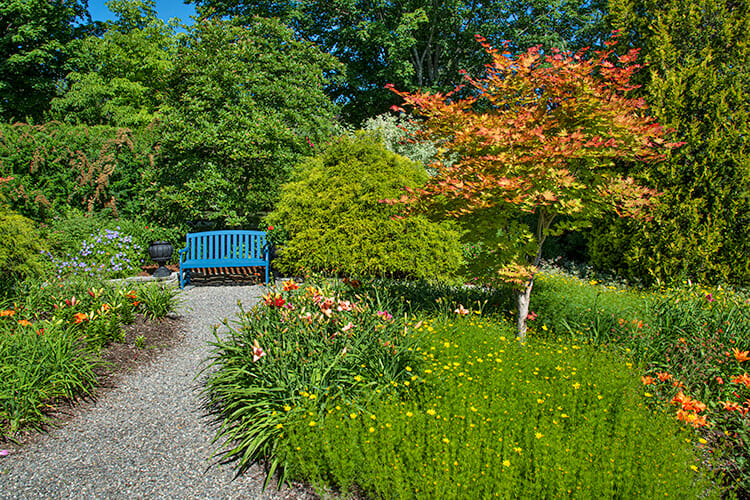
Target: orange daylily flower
[
  {"x": 740, "y": 356},
  {"x": 731, "y": 405},
  {"x": 691, "y": 418},
  {"x": 7, "y": 312},
  {"x": 663, "y": 376},
  {"x": 679, "y": 398},
  {"x": 687, "y": 403},
  {"x": 744, "y": 379},
  {"x": 24, "y": 322},
  {"x": 647, "y": 380},
  {"x": 289, "y": 286},
  {"x": 80, "y": 317}
]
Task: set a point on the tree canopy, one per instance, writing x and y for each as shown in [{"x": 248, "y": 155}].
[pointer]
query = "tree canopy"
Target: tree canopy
[
  {"x": 418, "y": 43},
  {"x": 120, "y": 78},
  {"x": 244, "y": 104},
  {"x": 34, "y": 50}
]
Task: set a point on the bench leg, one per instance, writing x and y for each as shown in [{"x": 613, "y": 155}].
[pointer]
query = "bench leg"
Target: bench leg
[
  {"x": 184, "y": 277},
  {"x": 266, "y": 275}
]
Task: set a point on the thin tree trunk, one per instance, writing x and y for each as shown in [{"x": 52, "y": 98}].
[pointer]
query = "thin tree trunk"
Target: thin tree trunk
[{"x": 523, "y": 300}]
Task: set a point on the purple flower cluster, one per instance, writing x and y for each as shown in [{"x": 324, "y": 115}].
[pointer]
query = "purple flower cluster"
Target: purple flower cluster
[{"x": 107, "y": 253}]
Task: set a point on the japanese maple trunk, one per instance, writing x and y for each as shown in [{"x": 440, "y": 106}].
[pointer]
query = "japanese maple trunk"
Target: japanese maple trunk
[
  {"x": 523, "y": 297},
  {"x": 522, "y": 301}
]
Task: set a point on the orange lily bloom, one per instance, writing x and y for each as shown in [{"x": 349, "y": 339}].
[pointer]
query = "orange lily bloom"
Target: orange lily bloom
[
  {"x": 24, "y": 322},
  {"x": 687, "y": 403},
  {"x": 7, "y": 312},
  {"x": 80, "y": 317},
  {"x": 289, "y": 286},
  {"x": 691, "y": 418},
  {"x": 744, "y": 379},
  {"x": 664, "y": 376},
  {"x": 740, "y": 356},
  {"x": 731, "y": 405},
  {"x": 647, "y": 380}
]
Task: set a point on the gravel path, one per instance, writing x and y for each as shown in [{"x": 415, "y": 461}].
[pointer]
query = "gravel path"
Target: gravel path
[{"x": 147, "y": 438}]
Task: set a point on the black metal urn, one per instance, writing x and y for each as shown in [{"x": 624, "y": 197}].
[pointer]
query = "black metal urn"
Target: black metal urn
[{"x": 161, "y": 252}]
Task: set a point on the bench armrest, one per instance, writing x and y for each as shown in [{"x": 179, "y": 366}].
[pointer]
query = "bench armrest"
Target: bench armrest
[{"x": 183, "y": 252}]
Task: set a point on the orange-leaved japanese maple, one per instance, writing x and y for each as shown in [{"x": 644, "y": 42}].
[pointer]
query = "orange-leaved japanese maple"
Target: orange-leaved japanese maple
[{"x": 540, "y": 146}]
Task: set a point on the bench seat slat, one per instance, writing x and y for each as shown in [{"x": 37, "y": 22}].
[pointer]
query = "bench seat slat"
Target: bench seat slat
[{"x": 194, "y": 264}]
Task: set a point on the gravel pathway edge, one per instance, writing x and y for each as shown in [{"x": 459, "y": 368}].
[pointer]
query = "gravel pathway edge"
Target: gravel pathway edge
[{"x": 147, "y": 438}]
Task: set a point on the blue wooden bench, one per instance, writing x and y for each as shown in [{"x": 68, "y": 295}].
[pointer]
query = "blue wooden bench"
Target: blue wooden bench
[{"x": 214, "y": 249}]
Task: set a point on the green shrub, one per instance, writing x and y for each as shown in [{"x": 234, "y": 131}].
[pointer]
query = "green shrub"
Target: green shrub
[
  {"x": 19, "y": 247},
  {"x": 588, "y": 310},
  {"x": 157, "y": 300},
  {"x": 332, "y": 212},
  {"x": 106, "y": 253},
  {"x": 495, "y": 418},
  {"x": 690, "y": 340},
  {"x": 64, "y": 233},
  {"x": 692, "y": 86},
  {"x": 396, "y": 134}
]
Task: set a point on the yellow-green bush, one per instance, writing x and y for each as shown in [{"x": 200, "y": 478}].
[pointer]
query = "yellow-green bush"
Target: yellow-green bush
[
  {"x": 332, "y": 211},
  {"x": 489, "y": 417},
  {"x": 19, "y": 246}
]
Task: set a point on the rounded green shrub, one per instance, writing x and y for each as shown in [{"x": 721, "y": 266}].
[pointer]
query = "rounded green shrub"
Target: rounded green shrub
[
  {"x": 332, "y": 211},
  {"x": 19, "y": 246}
]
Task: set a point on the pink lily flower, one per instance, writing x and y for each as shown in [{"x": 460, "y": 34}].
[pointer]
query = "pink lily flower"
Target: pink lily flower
[{"x": 258, "y": 351}]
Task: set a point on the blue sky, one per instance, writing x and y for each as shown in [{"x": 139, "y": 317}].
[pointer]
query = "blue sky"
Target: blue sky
[{"x": 167, "y": 9}]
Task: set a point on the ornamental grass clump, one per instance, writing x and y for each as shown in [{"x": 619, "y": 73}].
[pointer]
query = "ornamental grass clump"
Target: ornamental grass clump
[
  {"x": 496, "y": 418},
  {"x": 42, "y": 362},
  {"x": 292, "y": 358},
  {"x": 157, "y": 300}
]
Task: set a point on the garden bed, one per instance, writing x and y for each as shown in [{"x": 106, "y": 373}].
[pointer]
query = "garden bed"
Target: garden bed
[{"x": 119, "y": 359}]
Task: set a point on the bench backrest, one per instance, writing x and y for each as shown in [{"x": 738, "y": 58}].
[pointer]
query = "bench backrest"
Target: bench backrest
[{"x": 226, "y": 245}]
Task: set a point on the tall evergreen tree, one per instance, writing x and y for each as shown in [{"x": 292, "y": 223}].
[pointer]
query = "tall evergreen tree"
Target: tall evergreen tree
[{"x": 697, "y": 84}]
